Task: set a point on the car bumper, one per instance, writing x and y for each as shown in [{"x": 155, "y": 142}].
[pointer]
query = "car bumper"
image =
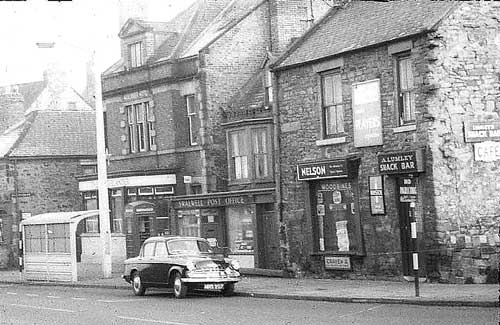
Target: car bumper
[{"x": 212, "y": 277}]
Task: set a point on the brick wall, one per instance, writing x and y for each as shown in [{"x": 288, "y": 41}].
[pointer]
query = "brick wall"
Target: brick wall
[
  {"x": 465, "y": 69},
  {"x": 230, "y": 63},
  {"x": 300, "y": 119},
  {"x": 51, "y": 183},
  {"x": 11, "y": 110}
]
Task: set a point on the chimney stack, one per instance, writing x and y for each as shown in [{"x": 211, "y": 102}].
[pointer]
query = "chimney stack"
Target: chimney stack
[{"x": 11, "y": 107}]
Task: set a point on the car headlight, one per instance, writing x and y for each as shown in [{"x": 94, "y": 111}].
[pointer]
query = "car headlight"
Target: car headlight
[
  {"x": 235, "y": 265},
  {"x": 190, "y": 266}
]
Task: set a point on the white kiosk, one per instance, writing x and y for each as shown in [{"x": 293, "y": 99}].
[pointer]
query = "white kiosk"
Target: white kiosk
[{"x": 50, "y": 245}]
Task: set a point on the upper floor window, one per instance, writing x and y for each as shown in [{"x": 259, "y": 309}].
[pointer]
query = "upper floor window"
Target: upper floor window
[
  {"x": 239, "y": 155},
  {"x": 193, "y": 119},
  {"x": 141, "y": 127},
  {"x": 333, "y": 111},
  {"x": 268, "y": 85},
  {"x": 249, "y": 153},
  {"x": 405, "y": 92},
  {"x": 135, "y": 52}
]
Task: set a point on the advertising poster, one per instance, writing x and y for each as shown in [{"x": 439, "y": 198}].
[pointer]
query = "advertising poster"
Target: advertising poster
[{"x": 367, "y": 113}]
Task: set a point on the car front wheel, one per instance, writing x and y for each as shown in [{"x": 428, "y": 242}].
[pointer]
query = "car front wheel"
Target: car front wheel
[
  {"x": 228, "y": 289},
  {"x": 137, "y": 286},
  {"x": 180, "y": 288}
]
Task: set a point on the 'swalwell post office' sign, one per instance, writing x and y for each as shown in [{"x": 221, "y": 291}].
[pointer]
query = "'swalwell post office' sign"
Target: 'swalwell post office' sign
[
  {"x": 319, "y": 170},
  {"x": 401, "y": 162},
  {"x": 367, "y": 113}
]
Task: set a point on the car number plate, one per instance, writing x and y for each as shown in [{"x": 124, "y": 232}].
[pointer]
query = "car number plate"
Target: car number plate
[{"x": 213, "y": 286}]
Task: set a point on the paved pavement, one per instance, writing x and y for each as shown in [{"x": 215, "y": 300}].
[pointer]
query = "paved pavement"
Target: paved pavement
[{"x": 360, "y": 291}]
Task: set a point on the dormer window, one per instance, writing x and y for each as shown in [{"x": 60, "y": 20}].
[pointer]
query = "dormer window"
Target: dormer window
[{"x": 135, "y": 52}]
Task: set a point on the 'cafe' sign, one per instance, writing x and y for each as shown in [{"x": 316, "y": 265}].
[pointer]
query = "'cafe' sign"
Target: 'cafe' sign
[{"x": 401, "y": 162}]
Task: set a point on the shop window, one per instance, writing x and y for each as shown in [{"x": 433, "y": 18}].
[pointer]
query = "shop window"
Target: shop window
[
  {"x": 405, "y": 89},
  {"x": 141, "y": 127},
  {"x": 135, "y": 54},
  {"x": 249, "y": 153},
  {"x": 189, "y": 223},
  {"x": 193, "y": 119},
  {"x": 117, "y": 204},
  {"x": 148, "y": 190},
  {"x": 131, "y": 191},
  {"x": 92, "y": 224},
  {"x": 90, "y": 201},
  {"x": 58, "y": 238},
  {"x": 162, "y": 190},
  {"x": 333, "y": 111},
  {"x": 240, "y": 228},
  {"x": 336, "y": 218}
]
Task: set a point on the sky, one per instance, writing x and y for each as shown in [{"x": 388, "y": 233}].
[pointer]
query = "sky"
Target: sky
[{"x": 76, "y": 27}]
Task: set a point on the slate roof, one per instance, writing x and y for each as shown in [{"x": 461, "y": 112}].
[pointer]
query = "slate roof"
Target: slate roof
[
  {"x": 53, "y": 133},
  {"x": 364, "y": 23},
  {"x": 227, "y": 18}
]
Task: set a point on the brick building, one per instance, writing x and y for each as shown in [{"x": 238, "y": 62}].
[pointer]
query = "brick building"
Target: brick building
[
  {"x": 47, "y": 139},
  {"x": 388, "y": 115},
  {"x": 172, "y": 103}
]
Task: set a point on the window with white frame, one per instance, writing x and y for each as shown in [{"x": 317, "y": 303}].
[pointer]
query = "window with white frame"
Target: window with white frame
[
  {"x": 333, "y": 111},
  {"x": 117, "y": 203},
  {"x": 249, "y": 153},
  {"x": 193, "y": 119},
  {"x": 405, "y": 91},
  {"x": 141, "y": 127},
  {"x": 268, "y": 85},
  {"x": 135, "y": 54},
  {"x": 239, "y": 156},
  {"x": 92, "y": 224},
  {"x": 260, "y": 152}
]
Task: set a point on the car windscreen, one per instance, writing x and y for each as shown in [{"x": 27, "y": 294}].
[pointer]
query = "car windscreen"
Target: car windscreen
[{"x": 177, "y": 247}]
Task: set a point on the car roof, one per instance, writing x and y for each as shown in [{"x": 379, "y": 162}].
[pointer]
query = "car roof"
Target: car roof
[{"x": 168, "y": 238}]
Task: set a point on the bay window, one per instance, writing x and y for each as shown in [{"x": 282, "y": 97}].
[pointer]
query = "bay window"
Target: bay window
[{"x": 249, "y": 153}]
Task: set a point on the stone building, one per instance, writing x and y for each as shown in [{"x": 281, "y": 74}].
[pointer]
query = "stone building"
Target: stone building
[
  {"x": 389, "y": 128},
  {"x": 47, "y": 139},
  {"x": 168, "y": 104}
]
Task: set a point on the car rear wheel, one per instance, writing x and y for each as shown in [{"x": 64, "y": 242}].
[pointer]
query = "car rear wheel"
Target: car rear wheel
[
  {"x": 180, "y": 288},
  {"x": 228, "y": 289},
  {"x": 137, "y": 286}
]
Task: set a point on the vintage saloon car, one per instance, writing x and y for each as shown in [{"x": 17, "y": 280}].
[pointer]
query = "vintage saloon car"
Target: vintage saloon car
[{"x": 181, "y": 263}]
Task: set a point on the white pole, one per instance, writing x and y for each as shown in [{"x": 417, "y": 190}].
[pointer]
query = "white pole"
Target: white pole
[{"x": 102, "y": 175}]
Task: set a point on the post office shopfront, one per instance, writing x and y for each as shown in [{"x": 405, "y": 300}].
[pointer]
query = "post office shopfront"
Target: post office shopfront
[{"x": 242, "y": 221}]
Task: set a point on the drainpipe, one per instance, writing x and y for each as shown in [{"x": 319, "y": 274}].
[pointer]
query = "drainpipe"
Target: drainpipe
[
  {"x": 16, "y": 218},
  {"x": 283, "y": 236}
]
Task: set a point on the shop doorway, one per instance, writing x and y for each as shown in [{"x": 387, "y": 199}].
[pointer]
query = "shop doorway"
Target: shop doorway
[
  {"x": 407, "y": 198},
  {"x": 268, "y": 237}
]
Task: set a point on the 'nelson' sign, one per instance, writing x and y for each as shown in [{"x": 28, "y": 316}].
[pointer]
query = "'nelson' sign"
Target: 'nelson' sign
[
  {"x": 319, "y": 170},
  {"x": 401, "y": 162}
]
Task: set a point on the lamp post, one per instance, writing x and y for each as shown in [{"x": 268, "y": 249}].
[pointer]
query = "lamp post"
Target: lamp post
[{"x": 102, "y": 174}]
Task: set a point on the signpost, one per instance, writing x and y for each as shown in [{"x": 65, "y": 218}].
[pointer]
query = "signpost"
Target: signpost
[{"x": 321, "y": 170}]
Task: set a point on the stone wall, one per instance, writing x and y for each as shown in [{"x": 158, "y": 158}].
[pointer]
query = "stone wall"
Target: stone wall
[{"x": 465, "y": 69}]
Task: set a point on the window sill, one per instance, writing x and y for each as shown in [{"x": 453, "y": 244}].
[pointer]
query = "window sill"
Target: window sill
[
  {"x": 330, "y": 141},
  {"x": 405, "y": 128}
]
